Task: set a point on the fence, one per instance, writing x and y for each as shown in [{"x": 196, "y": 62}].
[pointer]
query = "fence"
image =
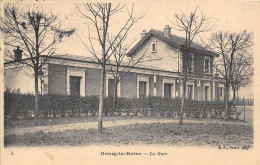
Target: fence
[{"x": 243, "y": 102}]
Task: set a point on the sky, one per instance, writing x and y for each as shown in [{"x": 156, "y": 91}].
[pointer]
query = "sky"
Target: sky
[{"x": 233, "y": 16}]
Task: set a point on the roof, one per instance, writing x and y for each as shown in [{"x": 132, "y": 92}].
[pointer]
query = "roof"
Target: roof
[
  {"x": 111, "y": 62},
  {"x": 93, "y": 60},
  {"x": 173, "y": 40}
]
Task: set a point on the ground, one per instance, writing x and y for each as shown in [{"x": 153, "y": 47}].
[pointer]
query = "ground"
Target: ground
[
  {"x": 195, "y": 134},
  {"x": 129, "y": 130}
]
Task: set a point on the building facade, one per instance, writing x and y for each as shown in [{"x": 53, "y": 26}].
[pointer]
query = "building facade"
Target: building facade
[{"x": 160, "y": 75}]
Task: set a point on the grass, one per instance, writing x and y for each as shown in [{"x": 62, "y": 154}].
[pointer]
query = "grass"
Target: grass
[
  {"x": 190, "y": 134},
  {"x": 27, "y": 123}
]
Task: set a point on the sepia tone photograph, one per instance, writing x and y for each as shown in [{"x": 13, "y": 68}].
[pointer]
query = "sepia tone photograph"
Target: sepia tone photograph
[{"x": 136, "y": 80}]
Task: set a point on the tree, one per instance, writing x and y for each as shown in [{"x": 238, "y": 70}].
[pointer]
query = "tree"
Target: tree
[
  {"x": 229, "y": 46},
  {"x": 35, "y": 32},
  {"x": 121, "y": 63},
  {"x": 242, "y": 71},
  {"x": 99, "y": 15},
  {"x": 192, "y": 25}
]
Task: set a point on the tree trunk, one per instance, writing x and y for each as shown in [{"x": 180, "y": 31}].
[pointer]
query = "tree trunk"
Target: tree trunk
[
  {"x": 183, "y": 98},
  {"x": 114, "y": 97},
  {"x": 226, "y": 103},
  {"x": 36, "y": 97},
  {"x": 101, "y": 98},
  {"x": 234, "y": 96}
]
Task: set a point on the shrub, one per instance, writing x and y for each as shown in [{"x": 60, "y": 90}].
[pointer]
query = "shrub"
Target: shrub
[
  {"x": 19, "y": 105},
  {"x": 123, "y": 105},
  {"x": 92, "y": 101},
  {"x": 108, "y": 106}
]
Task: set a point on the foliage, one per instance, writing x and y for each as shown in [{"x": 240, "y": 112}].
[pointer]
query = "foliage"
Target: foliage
[
  {"x": 16, "y": 104},
  {"x": 19, "y": 105}
]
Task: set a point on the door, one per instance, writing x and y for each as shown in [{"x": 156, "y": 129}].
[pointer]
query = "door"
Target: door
[
  {"x": 167, "y": 90},
  {"x": 111, "y": 85},
  {"x": 220, "y": 95},
  {"x": 142, "y": 89},
  {"x": 206, "y": 93},
  {"x": 75, "y": 85},
  {"x": 190, "y": 91}
]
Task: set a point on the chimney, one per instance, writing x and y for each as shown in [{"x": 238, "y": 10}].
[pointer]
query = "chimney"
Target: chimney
[
  {"x": 18, "y": 54},
  {"x": 167, "y": 31},
  {"x": 143, "y": 33}
]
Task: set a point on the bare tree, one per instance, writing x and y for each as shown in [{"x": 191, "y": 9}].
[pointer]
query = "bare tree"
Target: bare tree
[
  {"x": 230, "y": 47},
  {"x": 192, "y": 25},
  {"x": 242, "y": 72},
  {"x": 121, "y": 64},
  {"x": 35, "y": 32},
  {"x": 100, "y": 15}
]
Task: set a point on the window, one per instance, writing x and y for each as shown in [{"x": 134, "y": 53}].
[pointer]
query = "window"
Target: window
[
  {"x": 191, "y": 64},
  {"x": 220, "y": 91},
  {"x": 180, "y": 61},
  {"x": 168, "y": 87},
  {"x": 76, "y": 81},
  {"x": 206, "y": 93},
  {"x": 198, "y": 82},
  {"x": 190, "y": 91},
  {"x": 206, "y": 65},
  {"x": 168, "y": 90},
  {"x": 110, "y": 84},
  {"x": 142, "y": 89},
  {"x": 75, "y": 85},
  {"x": 154, "y": 46},
  {"x": 142, "y": 86}
]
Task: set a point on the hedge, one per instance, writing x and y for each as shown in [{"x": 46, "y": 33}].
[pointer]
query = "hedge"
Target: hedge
[{"x": 19, "y": 105}]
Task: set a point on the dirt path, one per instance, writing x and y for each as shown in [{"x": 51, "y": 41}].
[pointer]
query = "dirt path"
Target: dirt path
[{"x": 85, "y": 126}]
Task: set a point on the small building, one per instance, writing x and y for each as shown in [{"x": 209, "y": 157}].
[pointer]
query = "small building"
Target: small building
[{"x": 160, "y": 75}]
